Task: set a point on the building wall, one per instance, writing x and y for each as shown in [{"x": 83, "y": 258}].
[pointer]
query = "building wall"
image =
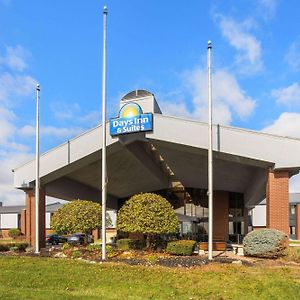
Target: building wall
[
  {"x": 8, "y": 221},
  {"x": 259, "y": 216}
]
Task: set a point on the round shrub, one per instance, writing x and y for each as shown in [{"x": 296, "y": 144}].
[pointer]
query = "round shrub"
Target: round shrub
[
  {"x": 14, "y": 233},
  {"x": 181, "y": 247},
  {"x": 265, "y": 243},
  {"x": 149, "y": 214},
  {"x": 77, "y": 216}
]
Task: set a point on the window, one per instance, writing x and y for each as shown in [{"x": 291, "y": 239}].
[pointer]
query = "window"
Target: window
[
  {"x": 292, "y": 230},
  {"x": 292, "y": 210}
]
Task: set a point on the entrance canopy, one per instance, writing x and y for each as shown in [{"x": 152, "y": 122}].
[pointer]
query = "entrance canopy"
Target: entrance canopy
[{"x": 175, "y": 151}]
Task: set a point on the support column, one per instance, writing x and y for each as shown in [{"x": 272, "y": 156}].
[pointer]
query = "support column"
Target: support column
[
  {"x": 221, "y": 216},
  {"x": 23, "y": 222},
  {"x": 278, "y": 201},
  {"x": 30, "y": 218},
  {"x": 298, "y": 221}
]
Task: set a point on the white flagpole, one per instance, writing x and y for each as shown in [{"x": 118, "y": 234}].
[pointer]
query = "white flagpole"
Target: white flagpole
[
  {"x": 104, "y": 177},
  {"x": 210, "y": 158},
  {"x": 37, "y": 170}
]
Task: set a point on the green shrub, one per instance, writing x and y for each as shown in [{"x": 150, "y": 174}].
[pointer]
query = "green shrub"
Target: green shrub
[
  {"x": 148, "y": 214},
  {"x": 158, "y": 244},
  {"x": 265, "y": 243},
  {"x": 293, "y": 254},
  {"x": 93, "y": 247},
  {"x": 66, "y": 246},
  {"x": 76, "y": 254},
  {"x": 128, "y": 244},
  {"x": 14, "y": 248},
  {"x": 17, "y": 245},
  {"x": 181, "y": 247},
  {"x": 14, "y": 233}
]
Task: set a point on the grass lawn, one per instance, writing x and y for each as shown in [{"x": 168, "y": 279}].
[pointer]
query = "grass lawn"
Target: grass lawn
[{"x": 44, "y": 278}]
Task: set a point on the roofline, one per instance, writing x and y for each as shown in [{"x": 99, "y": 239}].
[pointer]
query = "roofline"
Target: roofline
[
  {"x": 169, "y": 117},
  {"x": 232, "y": 127}
]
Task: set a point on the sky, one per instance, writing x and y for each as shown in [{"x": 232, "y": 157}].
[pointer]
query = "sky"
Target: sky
[{"x": 160, "y": 46}]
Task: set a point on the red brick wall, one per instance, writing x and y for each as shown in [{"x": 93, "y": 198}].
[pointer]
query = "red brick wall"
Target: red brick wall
[
  {"x": 298, "y": 221},
  {"x": 221, "y": 215},
  {"x": 23, "y": 221},
  {"x": 278, "y": 201},
  {"x": 30, "y": 218}
]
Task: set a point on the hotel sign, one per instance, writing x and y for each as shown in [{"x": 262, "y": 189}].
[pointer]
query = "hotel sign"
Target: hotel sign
[{"x": 131, "y": 120}]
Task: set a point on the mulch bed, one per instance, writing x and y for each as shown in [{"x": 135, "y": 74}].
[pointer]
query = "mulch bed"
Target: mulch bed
[{"x": 178, "y": 261}]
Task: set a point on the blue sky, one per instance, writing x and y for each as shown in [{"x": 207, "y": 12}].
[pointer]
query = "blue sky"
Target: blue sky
[{"x": 155, "y": 45}]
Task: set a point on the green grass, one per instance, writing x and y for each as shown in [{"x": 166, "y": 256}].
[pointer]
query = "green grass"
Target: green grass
[
  {"x": 44, "y": 278},
  {"x": 293, "y": 254}
]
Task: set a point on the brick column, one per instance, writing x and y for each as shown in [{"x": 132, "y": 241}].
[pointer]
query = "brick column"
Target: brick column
[
  {"x": 298, "y": 221},
  {"x": 30, "y": 218},
  {"x": 23, "y": 221},
  {"x": 95, "y": 234},
  {"x": 278, "y": 201},
  {"x": 221, "y": 215}
]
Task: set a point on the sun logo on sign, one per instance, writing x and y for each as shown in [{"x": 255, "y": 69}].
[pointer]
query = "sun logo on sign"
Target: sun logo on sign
[{"x": 130, "y": 110}]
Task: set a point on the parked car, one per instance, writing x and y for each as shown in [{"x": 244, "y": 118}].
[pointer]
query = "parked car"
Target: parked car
[
  {"x": 55, "y": 239},
  {"x": 80, "y": 239}
]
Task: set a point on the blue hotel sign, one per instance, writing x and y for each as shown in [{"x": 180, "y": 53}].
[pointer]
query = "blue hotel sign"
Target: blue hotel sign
[{"x": 131, "y": 119}]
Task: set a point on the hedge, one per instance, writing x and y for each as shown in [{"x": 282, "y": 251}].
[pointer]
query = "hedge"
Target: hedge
[
  {"x": 181, "y": 247},
  {"x": 128, "y": 244},
  {"x": 8, "y": 245}
]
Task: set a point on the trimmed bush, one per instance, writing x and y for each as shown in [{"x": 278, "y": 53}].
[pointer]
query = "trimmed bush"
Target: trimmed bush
[
  {"x": 76, "y": 254},
  {"x": 130, "y": 244},
  {"x": 66, "y": 246},
  {"x": 14, "y": 233},
  {"x": 93, "y": 247},
  {"x": 6, "y": 246},
  {"x": 181, "y": 247},
  {"x": 266, "y": 243},
  {"x": 148, "y": 214}
]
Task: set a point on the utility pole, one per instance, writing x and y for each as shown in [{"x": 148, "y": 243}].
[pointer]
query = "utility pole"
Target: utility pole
[
  {"x": 104, "y": 172},
  {"x": 37, "y": 171},
  {"x": 210, "y": 157}
]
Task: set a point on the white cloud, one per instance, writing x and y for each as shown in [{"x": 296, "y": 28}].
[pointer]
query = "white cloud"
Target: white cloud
[
  {"x": 295, "y": 184},
  {"x": 72, "y": 112},
  {"x": 64, "y": 132},
  {"x": 12, "y": 86},
  {"x": 249, "y": 57},
  {"x": 288, "y": 95},
  {"x": 92, "y": 118},
  {"x": 228, "y": 98},
  {"x": 267, "y": 8},
  {"x": 64, "y": 111},
  {"x": 13, "y": 89},
  {"x": 292, "y": 56},
  {"x": 288, "y": 124},
  {"x": 14, "y": 58}
]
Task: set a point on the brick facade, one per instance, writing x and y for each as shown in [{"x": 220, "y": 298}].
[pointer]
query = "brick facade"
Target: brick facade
[
  {"x": 278, "y": 201},
  {"x": 30, "y": 218},
  {"x": 23, "y": 221},
  {"x": 221, "y": 215}
]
